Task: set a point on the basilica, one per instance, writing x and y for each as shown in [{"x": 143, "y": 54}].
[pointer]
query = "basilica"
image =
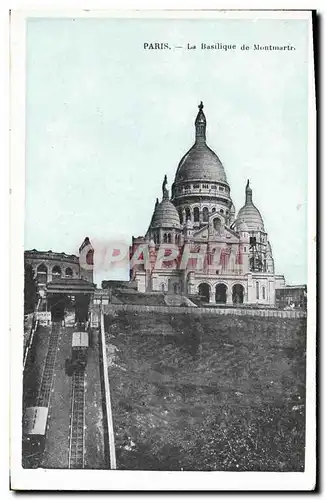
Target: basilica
[{"x": 198, "y": 245}]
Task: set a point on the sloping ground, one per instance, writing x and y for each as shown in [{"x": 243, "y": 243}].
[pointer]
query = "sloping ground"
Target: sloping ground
[
  {"x": 209, "y": 393},
  {"x": 145, "y": 299}
]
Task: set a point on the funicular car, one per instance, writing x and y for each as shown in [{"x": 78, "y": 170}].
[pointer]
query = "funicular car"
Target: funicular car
[{"x": 34, "y": 430}]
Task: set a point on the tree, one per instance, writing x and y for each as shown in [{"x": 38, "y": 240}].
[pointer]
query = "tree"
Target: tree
[{"x": 30, "y": 290}]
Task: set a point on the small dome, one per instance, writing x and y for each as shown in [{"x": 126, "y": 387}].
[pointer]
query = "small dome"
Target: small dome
[
  {"x": 241, "y": 226},
  {"x": 250, "y": 214},
  {"x": 165, "y": 215},
  {"x": 252, "y": 218},
  {"x": 269, "y": 249}
]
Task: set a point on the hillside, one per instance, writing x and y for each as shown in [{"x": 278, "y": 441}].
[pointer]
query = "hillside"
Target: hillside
[
  {"x": 209, "y": 393},
  {"x": 145, "y": 299}
]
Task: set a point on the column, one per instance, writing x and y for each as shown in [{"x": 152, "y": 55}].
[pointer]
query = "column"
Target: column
[{"x": 229, "y": 296}]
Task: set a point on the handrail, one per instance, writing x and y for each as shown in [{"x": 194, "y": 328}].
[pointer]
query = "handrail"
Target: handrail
[
  {"x": 32, "y": 333},
  {"x": 113, "y": 462}
]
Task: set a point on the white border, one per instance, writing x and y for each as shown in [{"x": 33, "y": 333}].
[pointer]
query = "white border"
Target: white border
[{"x": 139, "y": 480}]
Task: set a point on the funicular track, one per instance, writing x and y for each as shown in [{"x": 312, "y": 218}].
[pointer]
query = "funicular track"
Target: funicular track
[
  {"x": 43, "y": 398},
  {"x": 77, "y": 422}
]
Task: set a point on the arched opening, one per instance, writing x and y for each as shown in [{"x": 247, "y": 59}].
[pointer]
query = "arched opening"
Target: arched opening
[
  {"x": 220, "y": 293},
  {"x": 42, "y": 273},
  {"x": 181, "y": 217},
  {"x": 57, "y": 305},
  {"x": 56, "y": 272},
  {"x": 237, "y": 294},
  {"x": 165, "y": 238},
  {"x": 257, "y": 290},
  {"x": 203, "y": 291},
  {"x": 176, "y": 288},
  {"x": 68, "y": 273},
  {"x": 196, "y": 214},
  {"x": 162, "y": 287},
  {"x": 188, "y": 214},
  {"x": 169, "y": 237},
  {"x": 264, "y": 292},
  {"x": 205, "y": 214},
  {"x": 217, "y": 224},
  {"x": 89, "y": 257}
]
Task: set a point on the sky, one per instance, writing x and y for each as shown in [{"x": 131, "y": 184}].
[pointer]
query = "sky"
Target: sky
[{"x": 107, "y": 119}]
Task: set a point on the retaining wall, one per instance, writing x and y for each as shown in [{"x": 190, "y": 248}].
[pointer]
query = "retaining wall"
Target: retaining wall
[{"x": 266, "y": 313}]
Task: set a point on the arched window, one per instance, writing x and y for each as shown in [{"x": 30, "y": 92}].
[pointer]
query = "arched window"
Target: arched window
[
  {"x": 56, "y": 272},
  {"x": 69, "y": 272},
  {"x": 237, "y": 294},
  {"x": 89, "y": 257},
  {"x": 181, "y": 216},
  {"x": 264, "y": 292},
  {"x": 176, "y": 287},
  {"x": 205, "y": 214},
  {"x": 217, "y": 224},
  {"x": 169, "y": 237},
  {"x": 221, "y": 211},
  {"x": 42, "y": 273},
  {"x": 165, "y": 238},
  {"x": 162, "y": 287},
  {"x": 188, "y": 214},
  {"x": 213, "y": 210},
  {"x": 204, "y": 291},
  {"x": 196, "y": 214},
  {"x": 220, "y": 293},
  {"x": 257, "y": 290}
]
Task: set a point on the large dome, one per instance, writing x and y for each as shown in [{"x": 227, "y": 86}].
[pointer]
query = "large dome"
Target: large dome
[
  {"x": 200, "y": 163},
  {"x": 249, "y": 214}
]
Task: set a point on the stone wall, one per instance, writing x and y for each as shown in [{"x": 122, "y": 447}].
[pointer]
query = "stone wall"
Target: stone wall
[{"x": 266, "y": 313}]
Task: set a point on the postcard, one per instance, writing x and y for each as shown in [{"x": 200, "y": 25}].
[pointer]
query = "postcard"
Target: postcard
[{"x": 163, "y": 184}]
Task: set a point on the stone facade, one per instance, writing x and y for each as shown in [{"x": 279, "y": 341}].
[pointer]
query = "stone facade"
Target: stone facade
[
  {"x": 216, "y": 254},
  {"x": 48, "y": 265}
]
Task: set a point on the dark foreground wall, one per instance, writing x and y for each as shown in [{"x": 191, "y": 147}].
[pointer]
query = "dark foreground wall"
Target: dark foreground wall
[{"x": 207, "y": 392}]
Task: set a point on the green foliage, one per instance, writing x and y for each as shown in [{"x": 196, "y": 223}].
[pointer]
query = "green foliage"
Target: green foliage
[{"x": 30, "y": 290}]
